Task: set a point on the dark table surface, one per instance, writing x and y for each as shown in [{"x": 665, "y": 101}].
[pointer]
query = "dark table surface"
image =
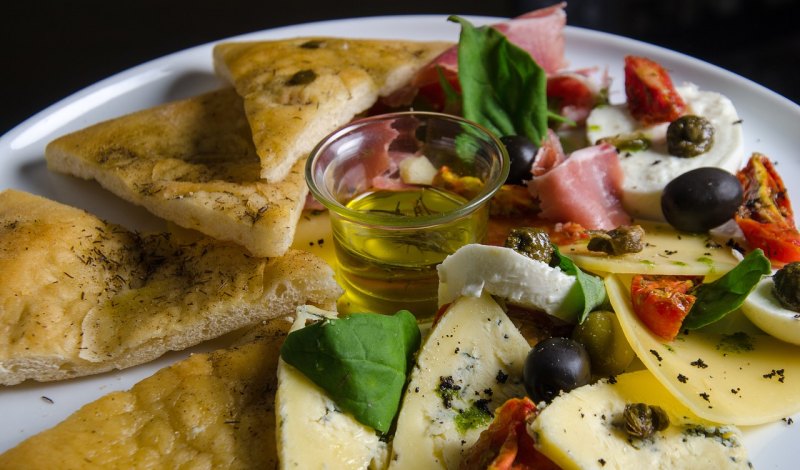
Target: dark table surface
[{"x": 57, "y": 47}]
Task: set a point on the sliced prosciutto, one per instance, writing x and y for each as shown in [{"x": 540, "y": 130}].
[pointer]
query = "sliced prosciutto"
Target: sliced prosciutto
[
  {"x": 539, "y": 32},
  {"x": 586, "y": 188},
  {"x": 549, "y": 155}
]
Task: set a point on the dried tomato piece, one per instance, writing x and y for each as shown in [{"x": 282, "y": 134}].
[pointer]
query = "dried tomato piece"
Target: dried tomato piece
[
  {"x": 652, "y": 97},
  {"x": 506, "y": 444},
  {"x": 766, "y": 217},
  {"x": 662, "y": 302}
]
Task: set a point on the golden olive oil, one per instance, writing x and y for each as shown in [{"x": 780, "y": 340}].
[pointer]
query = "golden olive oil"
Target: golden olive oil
[{"x": 385, "y": 268}]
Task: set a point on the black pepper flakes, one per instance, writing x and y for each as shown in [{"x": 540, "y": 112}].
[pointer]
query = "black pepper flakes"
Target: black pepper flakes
[
  {"x": 501, "y": 377},
  {"x": 705, "y": 396},
  {"x": 699, "y": 363},
  {"x": 682, "y": 378},
  {"x": 602, "y": 462},
  {"x": 657, "y": 355},
  {"x": 776, "y": 373}
]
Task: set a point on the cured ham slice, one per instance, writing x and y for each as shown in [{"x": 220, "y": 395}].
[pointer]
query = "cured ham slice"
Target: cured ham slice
[
  {"x": 586, "y": 188},
  {"x": 549, "y": 155},
  {"x": 539, "y": 32}
]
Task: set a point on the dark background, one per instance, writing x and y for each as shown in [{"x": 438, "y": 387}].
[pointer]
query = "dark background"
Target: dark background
[{"x": 54, "y": 48}]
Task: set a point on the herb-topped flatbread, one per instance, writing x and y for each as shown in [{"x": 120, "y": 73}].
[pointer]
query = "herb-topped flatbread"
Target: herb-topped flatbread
[
  {"x": 296, "y": 91},
  {"x": 208, "y": 411},
  {"x": 80, "y": 296},
  {"x": 193, "y": 163}
]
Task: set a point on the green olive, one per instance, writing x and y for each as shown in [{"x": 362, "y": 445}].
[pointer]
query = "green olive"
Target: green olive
[
  {"x": 689, "y": 136},
  {"x": 602, "y": 336}
]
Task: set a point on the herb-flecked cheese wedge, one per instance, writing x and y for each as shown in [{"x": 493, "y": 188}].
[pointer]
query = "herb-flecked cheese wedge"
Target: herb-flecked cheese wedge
[
  {"x": 469, "y": 365},
  {"x": 80, "y": 296},
  {"x": 297, "y": 91},
  {"x": 312, "y": 432},
  {"x": 212, "y": 410},
  {"x": 191, "y": 162}
]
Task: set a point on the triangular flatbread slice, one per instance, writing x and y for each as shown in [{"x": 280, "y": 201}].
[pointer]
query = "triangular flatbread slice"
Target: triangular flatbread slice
[
  {"x": 193, "y": 163},
  {"x": 80, "y": 296},
  {"x": 211, "y": 410},
  {"x": 296, "y": 91}
]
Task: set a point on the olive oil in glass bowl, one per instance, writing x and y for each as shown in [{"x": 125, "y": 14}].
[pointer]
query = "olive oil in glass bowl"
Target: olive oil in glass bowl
[{"x": 391, "y": 230}]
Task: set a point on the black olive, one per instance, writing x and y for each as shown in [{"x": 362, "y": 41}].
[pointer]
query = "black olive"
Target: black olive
[
  {"x": 521, "y": 152},
  {"x": 689, "y": 136},
  {"x": 555, "y": 365},
  {"x": 701, "y": 199}
]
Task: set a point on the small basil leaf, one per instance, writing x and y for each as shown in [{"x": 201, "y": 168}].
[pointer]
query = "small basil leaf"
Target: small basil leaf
[
  {"x": 592, "y": 287},
  {"x": 726, "y": 294},
  {"x": 360, "y": 360},
  {"x": 502, "y": 87}
]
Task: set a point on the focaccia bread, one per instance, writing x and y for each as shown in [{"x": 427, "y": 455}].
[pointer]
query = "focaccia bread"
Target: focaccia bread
[
  {"x": 296, "y": 91},
  {"x": 80, "y": 296},
  {"x": 193, "y": 163},
  {"x": 212, "y": 410}
]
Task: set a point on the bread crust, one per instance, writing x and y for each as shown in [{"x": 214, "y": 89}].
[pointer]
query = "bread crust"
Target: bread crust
[
  {"x": 80, "y": 296},
  {"x": 296, "y": 91},
  {"x": 212, "y": 410},
  {"x": 191, "y": 162}
]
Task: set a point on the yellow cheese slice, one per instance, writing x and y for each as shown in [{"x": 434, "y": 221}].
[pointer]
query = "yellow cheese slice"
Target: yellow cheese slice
[
  {"x": 666, "y": 251},
  {"x": 727, "y": 372},
  {"x": 583, "y": 429}
]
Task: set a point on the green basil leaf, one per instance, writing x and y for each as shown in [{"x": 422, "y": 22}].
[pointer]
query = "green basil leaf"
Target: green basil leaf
[
  {"x": 502, "y": 87},
  {"x": 726, "y": 294},
  {"x": 360, "y": 360},
  {"x": 452, "y": 99},
  {"x": 592, "y": 287}
]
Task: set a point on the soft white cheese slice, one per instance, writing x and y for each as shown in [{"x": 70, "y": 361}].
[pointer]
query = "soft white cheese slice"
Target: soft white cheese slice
[
  {"x": 475, "y": 269},
  {"x": 648, "y": 171},
  {"x": 312, "y": 432},
  {"x": 471, "y": 362},
  {"x": 767, "y": 313},
  {"x": 582, "y": 430}
]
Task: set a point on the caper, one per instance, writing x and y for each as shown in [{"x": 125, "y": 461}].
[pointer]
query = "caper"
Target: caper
[
  {"x": 642, "y": 420},
  {"x": 532, "y": 242},
  {"x": 621, "y": 240},
  {"x": 602, "y": 336},
  {"x": 689, "y": 136},
  {"x": 787, "y": 286}
]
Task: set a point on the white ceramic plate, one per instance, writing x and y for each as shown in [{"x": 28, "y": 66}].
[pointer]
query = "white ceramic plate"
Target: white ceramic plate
[{"x": 770, "y": 127}]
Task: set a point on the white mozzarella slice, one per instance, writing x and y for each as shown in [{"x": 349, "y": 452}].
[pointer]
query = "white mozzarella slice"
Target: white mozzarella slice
[
  {"x": 767, "y": 313},
  {"x": 648, "y": 171},
  {"x": 471, "y": 362},
  {"x": 502, "y": 272},
  {"x": 312, "y": 432}
]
